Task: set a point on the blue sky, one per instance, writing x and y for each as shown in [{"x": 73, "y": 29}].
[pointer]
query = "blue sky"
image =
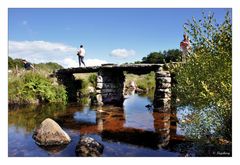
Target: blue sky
[{"x": 108, "y": 35}]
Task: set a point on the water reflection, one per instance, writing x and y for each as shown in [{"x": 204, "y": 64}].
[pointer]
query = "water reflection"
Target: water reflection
[
  {"x": 28, "y": 117},
  {"x": 117, "y": 128}
]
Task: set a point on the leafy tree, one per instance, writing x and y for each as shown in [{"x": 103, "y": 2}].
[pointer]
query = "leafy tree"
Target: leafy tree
[
  {"x": 205, "y": 80},
  {"x": 172, "y": 55},
  {"x": 137, "y": 62},
  {"x": 154, "y": 57}
]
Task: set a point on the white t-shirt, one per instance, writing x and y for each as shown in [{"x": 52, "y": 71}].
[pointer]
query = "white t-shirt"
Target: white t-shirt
[{"x": 81, "y": 52}]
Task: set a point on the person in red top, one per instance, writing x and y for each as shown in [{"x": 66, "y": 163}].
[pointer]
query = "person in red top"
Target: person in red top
[{"x": 185, "y": 47}]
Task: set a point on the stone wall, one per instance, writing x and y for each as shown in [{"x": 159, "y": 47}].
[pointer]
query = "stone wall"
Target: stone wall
[
  {"x": 110, "y": 83},
  {"x": 162, "y": 96}
]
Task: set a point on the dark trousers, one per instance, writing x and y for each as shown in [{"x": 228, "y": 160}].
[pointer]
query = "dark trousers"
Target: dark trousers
[{"x": 80, "y": 60}]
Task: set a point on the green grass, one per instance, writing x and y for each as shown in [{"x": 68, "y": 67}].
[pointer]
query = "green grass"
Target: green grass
[
  {"x": 145, "y": 82},
  {"x": 34, "y": 87}
]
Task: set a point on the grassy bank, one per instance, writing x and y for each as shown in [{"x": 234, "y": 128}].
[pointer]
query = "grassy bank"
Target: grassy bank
[
  {"x": 145, "y": 82},
  {"x": 88, "y": 86},
  {"x": 28, "y": 87}
]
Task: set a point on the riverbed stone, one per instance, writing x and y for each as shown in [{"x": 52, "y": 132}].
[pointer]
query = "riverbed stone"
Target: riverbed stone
[
  {"x": 50, "y": 133},
  {"x": 89, "y": 147}
]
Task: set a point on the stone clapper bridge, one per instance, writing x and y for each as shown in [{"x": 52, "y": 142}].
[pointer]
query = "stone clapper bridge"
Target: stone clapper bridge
[
  {"x": 109, "y": 90},
  {"x": 110, "y": 82}
]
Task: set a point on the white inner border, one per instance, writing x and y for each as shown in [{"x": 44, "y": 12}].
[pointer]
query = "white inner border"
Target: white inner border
[{"x": 5, "y": 4}]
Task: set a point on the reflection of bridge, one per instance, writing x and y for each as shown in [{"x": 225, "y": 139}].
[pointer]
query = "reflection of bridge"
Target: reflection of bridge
[
  {"x": 110, "y": 82},
  {"x": 110, "y": 123}
]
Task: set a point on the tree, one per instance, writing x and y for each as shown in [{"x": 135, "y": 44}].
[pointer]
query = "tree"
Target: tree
[
  {"x": 205, "y": 81},
  {"x": 172, "y": 55},
  {"x": 154, "y": 57}
]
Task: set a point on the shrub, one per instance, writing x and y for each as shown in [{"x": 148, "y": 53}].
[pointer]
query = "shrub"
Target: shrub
[
  {"x": 93, "y": 80},
  {"x": 205, "y": 80},
  {"x": 31, "y": 87}
]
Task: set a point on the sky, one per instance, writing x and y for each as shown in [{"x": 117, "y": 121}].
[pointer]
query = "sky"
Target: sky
[{"x": 109, "y": 35}]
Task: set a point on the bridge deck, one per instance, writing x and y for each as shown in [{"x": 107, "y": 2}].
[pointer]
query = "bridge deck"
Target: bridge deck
[{"x": 130, "y": 68}]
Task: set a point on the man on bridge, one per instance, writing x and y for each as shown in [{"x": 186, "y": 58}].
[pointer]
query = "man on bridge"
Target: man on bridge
[{"x": 81, "y": 54}]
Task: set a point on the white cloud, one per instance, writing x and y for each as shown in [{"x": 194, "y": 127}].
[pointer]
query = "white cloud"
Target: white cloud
[
  {"x": 95, "y": 62},
  {"x": 36, "y": 47},
  {"x": 69, "y": 63},
  {"x": 43, "y": 51},
  {"x": 122, "y": 53}
]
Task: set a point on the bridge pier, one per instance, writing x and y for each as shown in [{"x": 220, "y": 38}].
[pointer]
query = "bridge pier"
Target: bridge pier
[
  {"x": 72, "y": 85},
  {"x": 110, "y": 83},
  {"x": 162, "y": 95}
]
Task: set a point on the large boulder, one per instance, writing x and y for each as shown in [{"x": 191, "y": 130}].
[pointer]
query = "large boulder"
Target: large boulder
[
  {"x": 50, "y": 133},
  {"x": 87, "y": 146}
]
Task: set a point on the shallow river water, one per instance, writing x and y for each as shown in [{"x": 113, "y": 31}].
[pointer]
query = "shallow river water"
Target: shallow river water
[{"x": 131, "y": 130}]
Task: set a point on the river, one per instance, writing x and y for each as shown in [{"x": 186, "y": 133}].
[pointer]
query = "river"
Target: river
[{"x": 131, "y": 130}]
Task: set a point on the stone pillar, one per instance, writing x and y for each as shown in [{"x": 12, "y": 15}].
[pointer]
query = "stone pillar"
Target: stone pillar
[
  {"x": 162, "y": 96},
  {"x": 110, "y": 83}
]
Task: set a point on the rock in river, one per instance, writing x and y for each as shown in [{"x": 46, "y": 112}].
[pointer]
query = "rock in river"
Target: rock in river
[
  {"x": 87, "y": 146},
  {"x": 50, "y": 133}
]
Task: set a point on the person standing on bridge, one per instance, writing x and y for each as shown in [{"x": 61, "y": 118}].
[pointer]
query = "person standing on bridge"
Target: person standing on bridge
[
  {"x": 81, "y": 54},
  {"x": 185, "y": 46}
]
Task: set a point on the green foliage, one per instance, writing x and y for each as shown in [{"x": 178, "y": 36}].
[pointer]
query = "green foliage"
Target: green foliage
[
  {"x": 173, "y": 55},
  {"x": 145, "y": 82},
  {"x": 13, "y": 63},
  {"x": 93, "y": 80},
  {"x": 205, "y": 80},
  {"x": 86, "y": 84},
  {"x": 31, "y": 87},
  {"x": 29, "y": 116},
  {"x": 137, "y": 62},
  {"x": 154, "y": 57},
  {"x": 49, "y": 66}
]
